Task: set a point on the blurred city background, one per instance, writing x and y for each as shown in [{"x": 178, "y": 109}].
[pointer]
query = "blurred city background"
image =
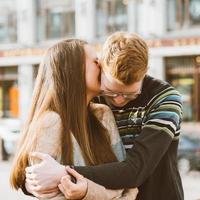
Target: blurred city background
[{"x": 170, "y": 27}]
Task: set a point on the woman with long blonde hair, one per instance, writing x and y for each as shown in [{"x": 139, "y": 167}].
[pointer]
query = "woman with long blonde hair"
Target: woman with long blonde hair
[{"x": 63, "y": 123}]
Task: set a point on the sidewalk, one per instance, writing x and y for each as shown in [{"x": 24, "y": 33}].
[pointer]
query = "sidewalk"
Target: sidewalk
[
  {"x": 191, "y": 183},
  {"x": 6, "y": 193}
]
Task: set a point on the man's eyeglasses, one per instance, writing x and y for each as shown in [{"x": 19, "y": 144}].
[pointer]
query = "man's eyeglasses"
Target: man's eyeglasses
[{"x": 128, "y": 96}]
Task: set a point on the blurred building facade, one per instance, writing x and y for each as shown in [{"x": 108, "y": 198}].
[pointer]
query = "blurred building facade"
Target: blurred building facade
[{"x": 28, "y": 27}]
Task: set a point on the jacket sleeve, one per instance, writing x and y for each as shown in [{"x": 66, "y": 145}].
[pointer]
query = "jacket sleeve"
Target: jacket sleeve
[
  {"x": 96, "y": 192},
  {"x": 161, "y": 126}
]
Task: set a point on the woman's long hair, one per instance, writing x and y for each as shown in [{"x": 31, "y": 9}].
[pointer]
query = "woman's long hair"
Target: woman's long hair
[{"x": 61, "y": 87}]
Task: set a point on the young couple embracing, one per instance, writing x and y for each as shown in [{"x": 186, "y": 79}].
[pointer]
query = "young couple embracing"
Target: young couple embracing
[{"x": 100, "y": 128}]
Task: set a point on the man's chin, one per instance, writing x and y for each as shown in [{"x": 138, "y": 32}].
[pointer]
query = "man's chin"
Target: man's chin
[
  {"x": 112, "y": 103},
  {"x": 119, "y": 105}
]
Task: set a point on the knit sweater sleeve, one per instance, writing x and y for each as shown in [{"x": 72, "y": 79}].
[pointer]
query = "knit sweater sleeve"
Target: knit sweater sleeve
[
  {"x": 161, "y": 126},
  {"x": 96, "y": 192},
  {"x": 47, "y": 130},
  {"x": 47, "y": 141}
]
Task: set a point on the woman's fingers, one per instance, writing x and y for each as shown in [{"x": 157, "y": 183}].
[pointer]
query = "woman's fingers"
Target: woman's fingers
[
  {"x": 133, "y": 192},
  {"x": 61, "y": 188}
]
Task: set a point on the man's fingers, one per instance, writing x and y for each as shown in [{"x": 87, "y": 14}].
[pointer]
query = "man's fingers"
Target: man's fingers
[
  {"x": 66, "y": 182},
  {"x": 50, "y": 195},
  {"x": 30, "y": 169},
  {"x": 50, "y": 190},
  {"x": 33, "y": 168},
  {"x": 41, "y": 156},
  {"x": 31, "y": 176},
  {"x": 34, "y": 183},
  {"x": 35, "y": 188},
  {"x": 32, "y": 186},
  {"x": 45, "y": 196},
  {"x": 31, "y": 181},
  {"x": 74, "y": 173}
]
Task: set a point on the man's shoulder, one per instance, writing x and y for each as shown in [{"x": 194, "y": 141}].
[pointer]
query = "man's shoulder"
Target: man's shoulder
[
  {"x": 154, "y": 85},
  {"x": 151, "y": 88},
  {"x": 154, "y": 88}
]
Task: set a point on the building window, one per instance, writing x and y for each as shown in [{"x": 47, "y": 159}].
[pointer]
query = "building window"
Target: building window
[
  {"x": 182, "y": 14},
  {"x": 8, "y": 22},
  {"x": 56, "y": 19},
  {"x": 184, "y": 74},
  {"x": 9, "y": 93},
  {"x": 111, "y": 16},
  {"x": 195, "y": 12}
]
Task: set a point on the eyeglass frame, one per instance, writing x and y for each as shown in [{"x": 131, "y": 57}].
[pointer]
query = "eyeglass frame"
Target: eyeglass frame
[
  {"x": 116, "y": 94},
  {"x": 112, "y": 95}
]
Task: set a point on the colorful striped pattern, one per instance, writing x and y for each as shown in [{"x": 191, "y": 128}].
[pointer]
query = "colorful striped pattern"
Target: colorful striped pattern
[{"x": 162, "y": 110}]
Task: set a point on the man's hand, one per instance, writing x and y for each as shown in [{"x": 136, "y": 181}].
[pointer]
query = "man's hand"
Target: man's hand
[
  {"x": 44, "y": 194},
  {"x": 46, "y": 175},
  {"x": 73, "y": 190}
]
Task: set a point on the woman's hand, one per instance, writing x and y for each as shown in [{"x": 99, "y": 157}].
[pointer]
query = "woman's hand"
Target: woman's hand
[
  {"x": 73, "y": 190},
  {"x": 130, "y": 194}
]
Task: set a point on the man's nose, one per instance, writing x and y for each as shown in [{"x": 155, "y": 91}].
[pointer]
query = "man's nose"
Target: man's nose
[{"x": 119, "y": 99}]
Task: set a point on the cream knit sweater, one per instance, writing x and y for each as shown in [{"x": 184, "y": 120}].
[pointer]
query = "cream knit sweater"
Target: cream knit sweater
[{"x": 48, "y": 141}]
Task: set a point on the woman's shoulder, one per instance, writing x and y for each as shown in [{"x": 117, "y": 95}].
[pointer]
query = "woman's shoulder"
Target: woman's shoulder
[
  {"x": 48, "y": 120},
  {"x": 47, "y": 129},
  {"x": 101, "y": 111},
  {"x": 106, "y": 117}
]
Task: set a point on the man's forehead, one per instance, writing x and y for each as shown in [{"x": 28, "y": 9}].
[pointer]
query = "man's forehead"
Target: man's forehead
[
  {"x": 112, "y": 84},
  {"x": 107, "y": 76}
]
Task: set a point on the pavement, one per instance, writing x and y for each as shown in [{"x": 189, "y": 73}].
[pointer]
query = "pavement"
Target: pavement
[
  {"x": 191, "y": 184},
  {"x": 6, "y": 192}
]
